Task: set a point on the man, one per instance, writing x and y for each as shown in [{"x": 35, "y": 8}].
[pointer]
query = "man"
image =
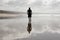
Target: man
[{"x": 29, "y": 12}]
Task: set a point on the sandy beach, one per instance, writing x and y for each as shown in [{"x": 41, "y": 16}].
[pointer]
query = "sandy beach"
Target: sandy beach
[{"x": 43, "y": 28}]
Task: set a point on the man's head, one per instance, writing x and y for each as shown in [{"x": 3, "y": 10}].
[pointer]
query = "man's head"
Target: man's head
[{"x": 29, "y": 8}]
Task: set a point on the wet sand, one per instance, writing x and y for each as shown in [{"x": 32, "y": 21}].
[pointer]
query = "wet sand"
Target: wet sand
[
  {"x": 44, "y": 27},
  {"x": 9, "y": 15}
]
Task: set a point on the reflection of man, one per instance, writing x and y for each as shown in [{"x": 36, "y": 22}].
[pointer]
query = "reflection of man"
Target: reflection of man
[
  {"x": 29, "y": 28},
  {"x": 29, "y": 12}
]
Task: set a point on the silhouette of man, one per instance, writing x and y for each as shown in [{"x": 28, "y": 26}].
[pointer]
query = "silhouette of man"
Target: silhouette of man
[{"x": 29, "y": 12}]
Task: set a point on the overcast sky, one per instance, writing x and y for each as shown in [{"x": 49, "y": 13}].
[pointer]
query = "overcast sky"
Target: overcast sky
[{"x": 43, "y": 6}]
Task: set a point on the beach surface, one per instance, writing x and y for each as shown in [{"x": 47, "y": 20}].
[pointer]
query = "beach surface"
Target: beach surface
[{"x": 44, "y": 27}]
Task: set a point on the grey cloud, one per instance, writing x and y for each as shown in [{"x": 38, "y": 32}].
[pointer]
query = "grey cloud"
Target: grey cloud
[
  {"x": 17, "y": 3},
  {"x": 56, "y": 5},
  {"x": 38, "y": 5}
]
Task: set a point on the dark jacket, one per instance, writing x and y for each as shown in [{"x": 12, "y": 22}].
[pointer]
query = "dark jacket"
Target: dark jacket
[{"x": 29, "y": 12}]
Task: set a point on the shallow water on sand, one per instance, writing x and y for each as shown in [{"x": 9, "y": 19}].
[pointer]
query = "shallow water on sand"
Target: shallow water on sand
[{"x": 43, "y": 27}]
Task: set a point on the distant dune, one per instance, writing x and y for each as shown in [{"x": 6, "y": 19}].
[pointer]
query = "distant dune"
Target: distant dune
[{"x": 9, "y": 14}]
